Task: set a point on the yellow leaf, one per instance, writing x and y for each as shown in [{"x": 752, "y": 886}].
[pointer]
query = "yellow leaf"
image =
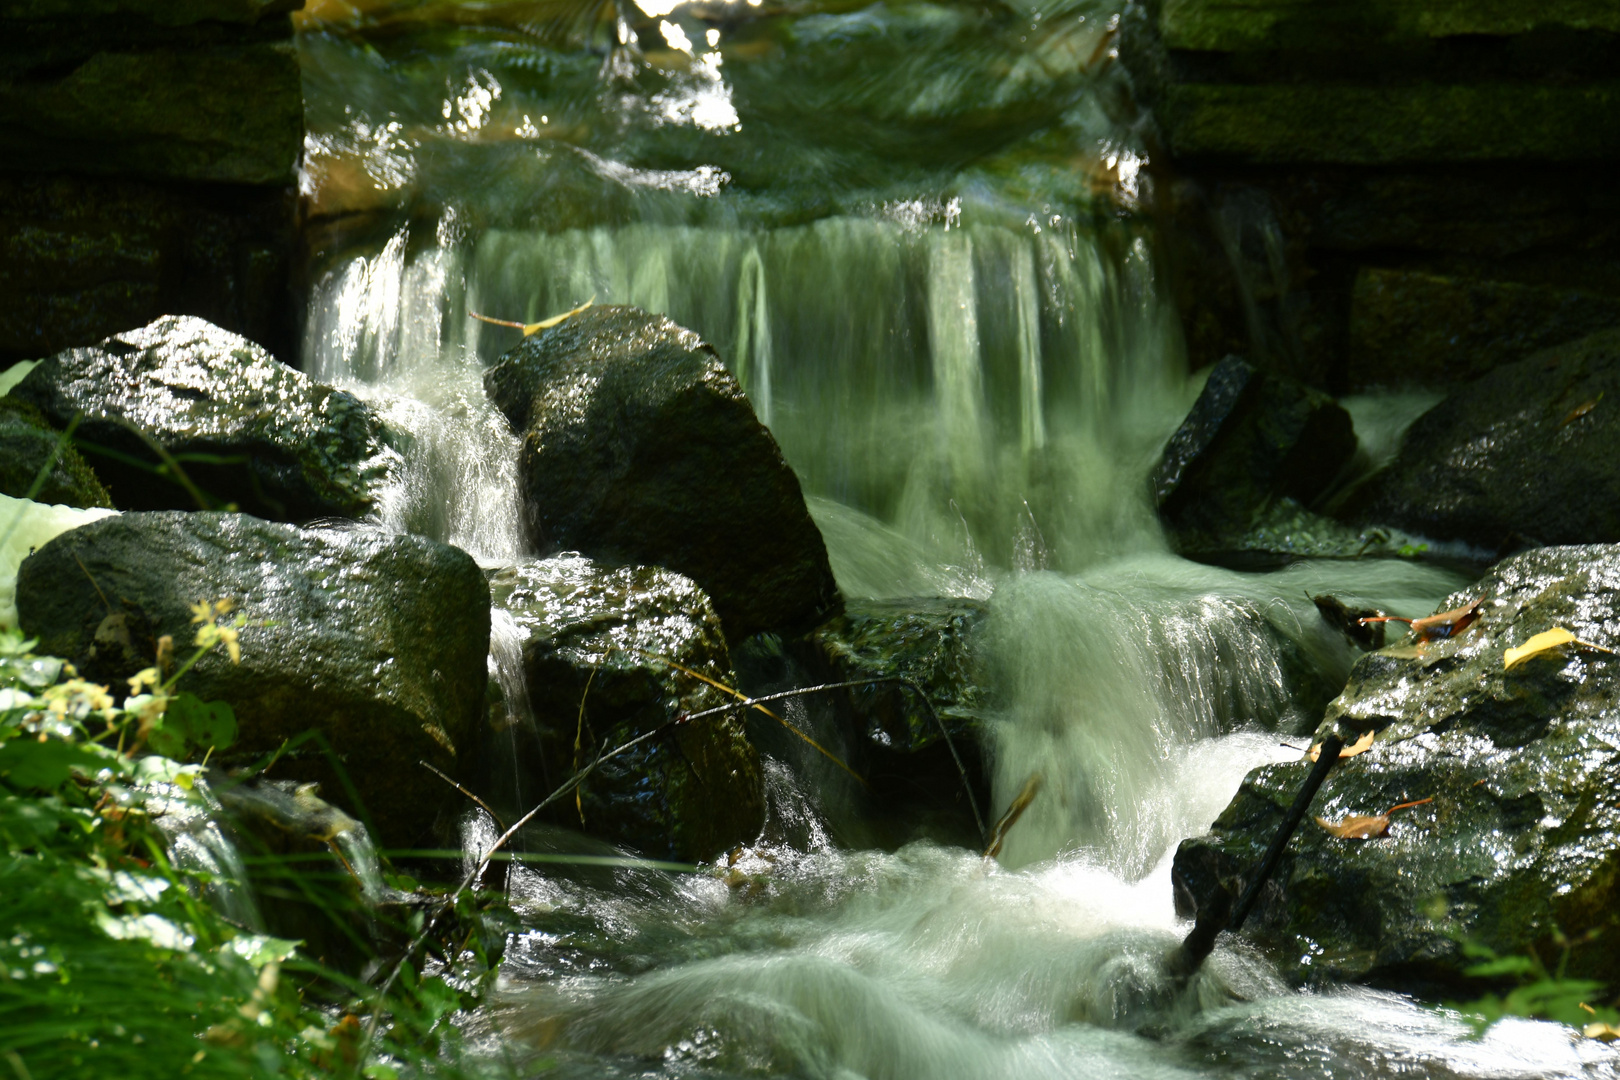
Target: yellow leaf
[
  {"x": 1360, "y": 746},
  {"x": 1544, "y": 642},
  {"x": 1603, "y": 1032}
]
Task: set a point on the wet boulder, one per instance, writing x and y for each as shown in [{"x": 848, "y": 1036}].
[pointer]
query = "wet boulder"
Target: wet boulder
[
  {"x": 640, "y": 448},
  {"x": 27, "y": 445},
  {"x": 602, "y": 650},
  {"x": 1518, "y": 845},
  {"x": 181, "y": 414},
  {"x": 1522, "y": 457},
  {"x": 1251, "y": 441},
  {"x": 372, "y": 644},
  {"x": 910, "y": 752}
]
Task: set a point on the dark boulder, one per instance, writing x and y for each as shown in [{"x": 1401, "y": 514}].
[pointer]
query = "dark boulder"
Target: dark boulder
[
  {"x": 594, "y": 643},
  {"x": 1521, "y": 843},
  {"x": 1250, "y": 441},
  {"x": 247, "y": 431},
  {"x": 1524, "y": 456},
  {"x": 907, "y": 754},
  {"x": 376, "y": 642},
  {"x": 640, "y": 448},
  {"x": 27, "y": 443}
]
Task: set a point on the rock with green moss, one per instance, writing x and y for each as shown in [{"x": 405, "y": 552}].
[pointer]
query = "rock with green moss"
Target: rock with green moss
[
  {"x": 599, "y": 648},
  {"x": 27, "y": 444},
  {"x": 1519, "y": 842},
  {"x": 245, "y": 430},
  {"x": 1251, "y": 440},
  {"x": 640, "y": 448},
  {"x": 907, "y": 757},
  {"x": 1523, "y": 456},
  {"x": 375, "y": 643}
]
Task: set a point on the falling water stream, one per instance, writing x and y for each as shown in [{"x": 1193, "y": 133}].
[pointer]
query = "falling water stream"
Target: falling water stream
[{"x": 911, "y": 231}]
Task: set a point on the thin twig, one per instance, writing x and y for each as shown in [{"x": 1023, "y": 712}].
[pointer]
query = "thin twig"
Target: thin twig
[
  {"x": 744, "y": 701},
  {"x": 477, "y": 872},
  {"x": 482, "y": 805},
  {"x": 901, "y": 680}
]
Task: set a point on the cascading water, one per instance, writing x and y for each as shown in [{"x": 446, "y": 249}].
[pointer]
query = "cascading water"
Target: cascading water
[{"x": 887, "y": 222}]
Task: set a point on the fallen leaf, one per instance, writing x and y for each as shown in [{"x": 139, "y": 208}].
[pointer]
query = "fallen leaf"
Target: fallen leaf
[
  {"x": 1581, "y": 410},
  {"x": 1546, "y": 641},
  {"x": 1360, "y": 746},
  {"x": 1366, "y": 826},
  {"x": 1602, "y": 1032}
]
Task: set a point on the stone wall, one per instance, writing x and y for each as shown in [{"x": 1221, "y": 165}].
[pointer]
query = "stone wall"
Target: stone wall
[
  {"x": 1384, "y": 192},
  {"x": 148, "y": 157}
]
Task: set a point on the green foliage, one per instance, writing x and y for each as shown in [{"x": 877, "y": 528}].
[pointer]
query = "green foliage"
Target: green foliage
[
  {"x": 1533, "y": 991},
  {"x": 112, "y": 961}
]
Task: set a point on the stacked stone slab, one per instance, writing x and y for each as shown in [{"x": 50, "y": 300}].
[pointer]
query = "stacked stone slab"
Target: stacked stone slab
[
  {"x": 1386, "y": 192},
  {"x": 147, "y": 159}
]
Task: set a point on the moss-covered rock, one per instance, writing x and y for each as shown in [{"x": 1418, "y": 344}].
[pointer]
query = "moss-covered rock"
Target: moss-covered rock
[
  {"x": 599, "y": 647},
  {"x": 1413, "y": 328},
  {"x": 1523, "y": 456},
  {"x": 1251, "y": 440},
  {"x": 27, "y": 443},
  {"x": 375, "y": 642},
  {"x": 1521, "y": 840},
  {"x": 197, "y": 107},
  {"x": 907, "y": 761},
  {"x": 247, "y": 430},
  {"x": 640, "y": 448}
]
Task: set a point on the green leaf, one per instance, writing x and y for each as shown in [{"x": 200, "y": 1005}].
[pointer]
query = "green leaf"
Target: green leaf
[
  {"x": 191, "y": 722},
  {"x": 1504, "y": 965},
  {"x": 30, "y": 765}
]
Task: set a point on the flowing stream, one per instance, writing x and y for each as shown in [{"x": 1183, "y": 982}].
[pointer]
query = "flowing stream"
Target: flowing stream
[{"x": 911, "y": 230}]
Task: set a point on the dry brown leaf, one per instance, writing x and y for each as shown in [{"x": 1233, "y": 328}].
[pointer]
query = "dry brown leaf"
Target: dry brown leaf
[
  {"x": 1444, "y": 625},
  {"x": 1366, "y": 826},
  {"x": 1360, "y": 746},
  {"x": 1545, "y": 641},
  {"x": 1581, "y": 410}
]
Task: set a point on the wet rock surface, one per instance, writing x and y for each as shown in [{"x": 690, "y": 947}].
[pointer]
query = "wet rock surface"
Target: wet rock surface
[
  {"x": 27, "y": 444},
  {"x": 246, "y": 429},
  {"x": 1523, "y": 456},
  {"x": 1521, "y": 841},
  {"x": 1250, "y": 441},
  {"x": 905, "y": 757},
  {"x": 640, "y": 448},
  {"x": 376, "y": 642},
  {"x": 594, "y": 643}
]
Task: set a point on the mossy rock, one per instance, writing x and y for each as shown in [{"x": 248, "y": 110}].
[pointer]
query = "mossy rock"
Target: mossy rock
[
  {"x": 247, "y": 431},
  {"x": 27, "y": 442},
  {"x": 1524, "y": 456},
  {"x": 376, "y": 643},
  {"x": 599, "y": 649},
  {"x": 910, "y": 752},
  {"x": 1250, "y": 441},
  {"x": 1520, "y": 842},
  {"x": 640, "y": 448}
]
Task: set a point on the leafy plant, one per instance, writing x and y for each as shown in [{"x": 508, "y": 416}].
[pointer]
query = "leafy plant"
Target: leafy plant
[
  {"x": 1534, "y": 991},
  {"x": 114, "y": 963}
]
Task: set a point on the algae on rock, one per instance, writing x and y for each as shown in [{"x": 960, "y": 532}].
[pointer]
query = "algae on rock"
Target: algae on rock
[
  {"x": 1521, "y": 842},
  {"x": 377, "y": 642},
  {"x": 599, "y": 647}
]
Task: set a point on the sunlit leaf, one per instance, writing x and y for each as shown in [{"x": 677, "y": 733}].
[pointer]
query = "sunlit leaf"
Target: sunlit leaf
[
  {"x": 1546, "y": 641},
  {"x": 1360, "y": 746},
  {"x": 1367, "y": 826}
]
